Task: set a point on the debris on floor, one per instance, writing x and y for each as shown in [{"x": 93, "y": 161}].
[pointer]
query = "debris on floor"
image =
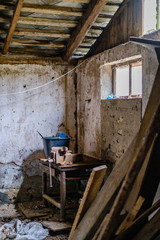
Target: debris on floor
[
  {"x": 8, "y": 211},
  {"x": 34, "y": 209},
  {"x": 19, "y": 230},
  {"x": 12, "y": 217},
  {"x": 56, "y": 226}
]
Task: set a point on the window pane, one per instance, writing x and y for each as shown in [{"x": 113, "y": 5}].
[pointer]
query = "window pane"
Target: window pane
[
  {"x": 122, "y": 81},
  {"x": 149, "y": 15},
  {"x": 136, "y": 80}
]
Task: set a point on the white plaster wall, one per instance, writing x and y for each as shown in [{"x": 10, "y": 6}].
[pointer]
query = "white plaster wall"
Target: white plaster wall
[{"x": 22, "y": 115}]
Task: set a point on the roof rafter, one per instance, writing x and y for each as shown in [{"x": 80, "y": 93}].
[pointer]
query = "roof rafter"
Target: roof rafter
[
  {"x": 12, "y": 25},
  {"x": 94, "y": 8}
]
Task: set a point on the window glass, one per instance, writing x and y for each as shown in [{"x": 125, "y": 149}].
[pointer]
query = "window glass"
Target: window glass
[
  {"x": 136, "y": 88},
  {"x": 150, "y": 15},
  {"x": 122, "y": 81}
]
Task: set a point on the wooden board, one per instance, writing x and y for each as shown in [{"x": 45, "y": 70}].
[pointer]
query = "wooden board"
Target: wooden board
[
  {"x": 139, "y": 180},
  {"x": 91, "y": 220},
  {"x": 30, "y": 212},
  {"x": 93, "y": 10},
  {"x": 16, "y": 14},
  {"x": 56, "y": 226},
  {"x": 150, "y": 230},
  {"x": 145, "y": 137},
  {"x": 131, "y": 231},
  {"x": 126, "y": 21},
  {"x": 131, "y": 216},
  {"x": 92, "y": 188}
]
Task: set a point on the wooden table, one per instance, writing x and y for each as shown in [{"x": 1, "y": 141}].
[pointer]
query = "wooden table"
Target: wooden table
[{"x": 63, "y": 173}]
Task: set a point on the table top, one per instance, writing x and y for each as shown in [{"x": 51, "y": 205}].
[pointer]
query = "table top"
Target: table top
[{"x": 87, "y": 162}]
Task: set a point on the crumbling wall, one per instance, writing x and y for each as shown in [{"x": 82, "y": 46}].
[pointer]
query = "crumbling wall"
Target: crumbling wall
[
  {"x": 22, "y": 115},
  {"x": 89, "y": 97},
  {"x": 120, "y": 120}
]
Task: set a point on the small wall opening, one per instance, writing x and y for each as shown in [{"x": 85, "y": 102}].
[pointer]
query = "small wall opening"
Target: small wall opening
[{"x": 122, "y": 79}]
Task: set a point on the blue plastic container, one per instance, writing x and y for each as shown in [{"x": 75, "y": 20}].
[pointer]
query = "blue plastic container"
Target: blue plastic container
[{"x": 60, "y": 140}]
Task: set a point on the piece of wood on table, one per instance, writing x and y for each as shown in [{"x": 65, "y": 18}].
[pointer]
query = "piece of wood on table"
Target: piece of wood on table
[
  {"x": 131, "y": 216},
  {"x": 92, "y": 188},
  {"x": 56, "y": 226},
  {"x": 150, "y": 230},
  {"x": 145, "y": 137},
  {"x": 131, "y": 230}
]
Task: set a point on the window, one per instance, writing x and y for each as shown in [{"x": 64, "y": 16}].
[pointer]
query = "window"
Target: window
[
  {"x": 151, "y": 15},
  {"x": 127, "y": 80}
]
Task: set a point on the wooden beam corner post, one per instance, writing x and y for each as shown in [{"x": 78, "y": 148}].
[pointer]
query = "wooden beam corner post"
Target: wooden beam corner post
[{"x": 13, "y": 25}]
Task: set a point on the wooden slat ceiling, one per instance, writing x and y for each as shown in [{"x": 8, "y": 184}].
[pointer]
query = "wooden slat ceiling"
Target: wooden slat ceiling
[{"x": 53, "y": 28}]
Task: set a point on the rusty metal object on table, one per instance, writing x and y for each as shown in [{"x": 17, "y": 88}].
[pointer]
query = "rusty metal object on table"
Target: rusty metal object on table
[{"x": 63, "y": 156}]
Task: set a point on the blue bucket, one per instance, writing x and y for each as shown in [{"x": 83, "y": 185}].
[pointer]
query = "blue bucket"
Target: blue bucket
[{"x": 60, "y": 140}]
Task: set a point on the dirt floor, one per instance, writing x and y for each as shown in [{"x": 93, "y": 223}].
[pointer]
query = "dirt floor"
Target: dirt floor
[{"x": 36, "y": 211}]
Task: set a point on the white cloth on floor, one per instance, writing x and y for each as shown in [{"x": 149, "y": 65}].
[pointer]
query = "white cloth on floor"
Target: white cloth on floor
[{"x": 18, "y": 230}]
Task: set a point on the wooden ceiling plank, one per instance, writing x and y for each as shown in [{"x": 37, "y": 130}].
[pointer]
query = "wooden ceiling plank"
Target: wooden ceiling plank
[
  {"x": 35, "y": 8},
  {"x": 47, "y": 22},
  {"x": 52, "y": 22},
  {"x": 38, "y": 33},
  {"x": 94, "y": 8},
  {"x": 21, "y": 43},
  {"x": 5, "y": 20},
  {"x": 77, "y": 1},
  {"x": 13, "y": 25}
]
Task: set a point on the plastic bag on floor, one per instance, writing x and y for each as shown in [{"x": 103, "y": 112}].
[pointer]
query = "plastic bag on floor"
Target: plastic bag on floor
[{"x": 18, "y": 230}]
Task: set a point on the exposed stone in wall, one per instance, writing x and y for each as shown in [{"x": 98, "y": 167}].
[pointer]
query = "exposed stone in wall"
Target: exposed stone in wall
[
  {"x": 120, "y": 121},
  {"x": 22, "y": 115}
]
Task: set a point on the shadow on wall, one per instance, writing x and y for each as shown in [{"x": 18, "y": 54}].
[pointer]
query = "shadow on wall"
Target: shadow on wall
[{"x": 31, "y": 185}]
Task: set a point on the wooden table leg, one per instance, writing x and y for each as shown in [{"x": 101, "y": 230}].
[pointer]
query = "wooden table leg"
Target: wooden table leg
[
  {"x": 44, "y": 185},
  {"x": 62, "y": 194}
]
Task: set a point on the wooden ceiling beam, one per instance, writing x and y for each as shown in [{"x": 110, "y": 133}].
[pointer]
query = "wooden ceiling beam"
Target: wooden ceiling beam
[
  {"x": 94, "y": 8},
  {"x": 13, "y": 25}
]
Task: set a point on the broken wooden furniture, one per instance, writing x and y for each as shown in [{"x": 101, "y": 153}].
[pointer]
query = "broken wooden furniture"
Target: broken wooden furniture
[{"x": 64, "y": 173}]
